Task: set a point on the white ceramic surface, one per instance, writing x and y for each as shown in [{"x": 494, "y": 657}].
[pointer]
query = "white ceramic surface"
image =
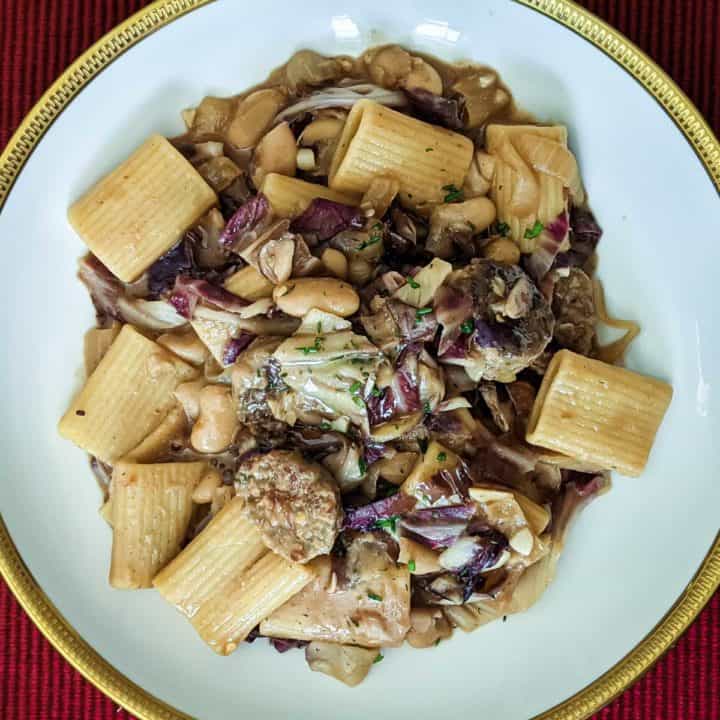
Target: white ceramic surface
[{"x": 631, "y": 553}]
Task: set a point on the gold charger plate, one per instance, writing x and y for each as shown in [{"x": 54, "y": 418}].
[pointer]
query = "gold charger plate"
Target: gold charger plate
[{"x": 155, "y": 16}]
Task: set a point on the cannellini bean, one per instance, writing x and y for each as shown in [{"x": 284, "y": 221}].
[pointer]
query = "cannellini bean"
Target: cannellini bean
[
  {"x": 502, "y": 250},
  {"x": 322, "y": 130},
  {"x": 188, "y": 395},
  {"x": 275, "y": 153},
  {"x": 305, "y": 159},
  {"x": 217, "y": 423},
  {"x": 253, "y": 116},
  {"x": 205, "y": 489},
  {"x": 299, "y": 296},
  {"x": 335, "y": 262},
  {"x": 187, "y": 346},
  {"x": 389, "y": 66}
]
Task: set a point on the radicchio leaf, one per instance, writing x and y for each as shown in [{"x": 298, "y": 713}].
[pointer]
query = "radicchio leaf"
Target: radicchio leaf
[
  {"x": 282, "y": 646},
  {"x": 245, "y": 219},
  {"x": 187, "y": 292},
  {"x": 366, "y": 517},
  {"x": 323, "y": 219},
  {"x": 436, "y": 108},
  {"x": 551, "y": 240},
  {"x": 176, "y": 261},
  {"x": 438, "y": 527},
  {"x": 235, "y": 346},
  {"x": 452, "y": 309},
  {"x": 584, "y": 238}
]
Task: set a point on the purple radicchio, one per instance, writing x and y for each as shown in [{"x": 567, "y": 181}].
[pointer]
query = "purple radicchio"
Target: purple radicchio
[
  {"x": 187, "y": 292},
  {"x": 178, "y": 260},
  {"x": 472, "y": 555},
  {"x": 553, "y": 238},
  {"x": 438, "y": 527},
  {"x": 436, "y": 108},
  {"x": 246, "y": 219},
  {"x": 323, "y": 219},
  {"x": 585, "y": 235},
  {"x": 379, "y": 513},
  {"x": 402, "y": 395},
  {"x": 282, "y": 646},
  {"x": 235, "y": 346}
]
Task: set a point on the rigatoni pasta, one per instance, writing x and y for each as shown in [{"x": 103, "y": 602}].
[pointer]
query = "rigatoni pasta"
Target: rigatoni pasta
[
  {"x": 597, "y": 412},
  {"x": 142, "y": 208},
  {"x": 289, "y": 196},
  {"x": 126, "y": 398},
  {"x": 376, "y": 141},
  {"x": 151, "y": 509},
  {"x": 227, "y": 617}
]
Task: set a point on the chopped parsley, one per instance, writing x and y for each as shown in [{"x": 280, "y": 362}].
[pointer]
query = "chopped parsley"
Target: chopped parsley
[
  {"x": 362, "y": 466},
  {"x": 376, "y": 598},
  {"x": 319, "y": 328},
  {"x": 376, "y": 392},
  {"x": 390, "y": 522},
  {"x": 453, "y": 194},
  {"x": 358, "y": 401},
  {"x": 534, "y": 231},
  {"x": 378, "y": 658},
  {"x": 427, "y": 499},
  {"x": 467, "y": 327},
  {"x": 324, "y": 425},
  {"x": 412, "y": 283},
  {"x": 428, "y": 149},
  {"x": 422, "y": 311},
  {"x": 315, "y": 347},
  {"x": 437, "y": 642},
  {"x": 375, "y": 236},
  {"x": 442, "y": 457},
  {"x": 355, "y": 387},
  {"x": 503, "y": 228},
  {"x": 411, "y": 566},
  {"x": 426, "y": 408}
]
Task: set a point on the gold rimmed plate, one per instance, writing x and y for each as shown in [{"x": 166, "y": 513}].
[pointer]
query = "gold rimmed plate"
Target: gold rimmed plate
[{"x": 640, "y": 563}]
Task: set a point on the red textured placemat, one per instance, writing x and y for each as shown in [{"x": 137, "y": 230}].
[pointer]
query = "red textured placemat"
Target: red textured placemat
[{"x": 39, "y": 38}]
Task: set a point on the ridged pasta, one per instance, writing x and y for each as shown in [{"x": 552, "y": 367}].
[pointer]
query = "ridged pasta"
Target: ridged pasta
[
  {"x": 158, "y": 442},
  {"x": 96, "y": 343},
  {"x": 227, "y": 617},
  {"x": 139, "y": 210},
  {"x": 379, "y": 142},
  {"x": 599, "y": 413},
  {"x": 249, "y": 284},
  {"x": 126, "y": 398},
  {"x": 227, "y": 547},
  {"x": 151, "y": 508},
  {"x": 289, "y": 196}
]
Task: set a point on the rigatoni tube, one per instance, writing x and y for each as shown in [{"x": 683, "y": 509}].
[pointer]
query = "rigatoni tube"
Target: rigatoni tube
[
  {"x": 599, "y": 413},
  {"x": 376, "y": 141}
]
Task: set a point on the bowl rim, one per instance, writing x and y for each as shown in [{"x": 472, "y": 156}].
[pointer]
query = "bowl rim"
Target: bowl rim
[{"x": 157, "y": 15}]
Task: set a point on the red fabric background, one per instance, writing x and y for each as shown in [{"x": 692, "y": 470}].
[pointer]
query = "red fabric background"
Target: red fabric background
[{"x": 39, "y": 38}]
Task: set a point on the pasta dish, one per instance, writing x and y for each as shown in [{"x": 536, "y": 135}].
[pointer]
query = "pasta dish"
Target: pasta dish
[{"x": 345, "y": 390}]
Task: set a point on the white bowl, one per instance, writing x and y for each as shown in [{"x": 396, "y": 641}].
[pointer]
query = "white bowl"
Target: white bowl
[{"x": 629, "y": 557}]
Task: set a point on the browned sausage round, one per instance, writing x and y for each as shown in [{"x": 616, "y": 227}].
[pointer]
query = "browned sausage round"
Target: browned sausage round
[{"x": 294, "y": 503}]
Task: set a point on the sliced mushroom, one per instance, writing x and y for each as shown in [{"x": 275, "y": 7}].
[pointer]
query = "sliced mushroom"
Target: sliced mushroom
[
  {"x": 389, "y": 66},
  {"x": 253, "y": 116},
  {"x": 423, "y": 76},
  {"x": 307, "y": 68},
  {"x": 483, "y": 96},
  {"x": 275, "y": 153},
  {"x": 276, "y": 260},
  {"x": 347, "y": 663},
  {"x": 219, "y": 172}
]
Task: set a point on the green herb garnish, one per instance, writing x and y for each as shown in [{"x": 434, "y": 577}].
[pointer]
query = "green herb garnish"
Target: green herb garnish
[
  {"x": 422, "y": 311},
  {"x": 362, "y": 466},
  {"x": 412, "y": 283},
  {"x": 319, "y": 328},
  {"x": 437, "y": 642},
  {"x": 376, "y": 392},
  {"x": 503, "y": 228},
  {"x": 534, "y": 231},
  {"x": 442, "y": 457},
  {"x": 358, "y": 401},
  {"x": 426, "y": 407},
  {"x": 315, "y": 347},
  {"x": 376, "y": 598},
  {"x": 467, "y": 327},
  {"x": 428, "y": 149},
  {"x": 390, "y": 522},
  {"x": 367, "y": 243},
  {"x": 453, "y": 194},
  {"x": 324, "y": 425},
  {"x": 411, "y": 566},
  {"x": 378, "y": 658},
  {"x": 355, "y": 387}
]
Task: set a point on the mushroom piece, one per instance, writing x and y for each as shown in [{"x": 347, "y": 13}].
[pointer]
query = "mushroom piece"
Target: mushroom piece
[
  {"x": 455, "y": 219},
  {"x": 423, "y": 76},
  {"x": 276, "y": 260},
  {"x": 306, "y": 68},
  {"x": 347, "y": 663},
  {"x": 483, "y": 96},
  {"x": 427, "y": 627},
  {"x": 389, "y": 66},
  {"x": 275, "y": 153},
  {"x": 253, "y": 116}
]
